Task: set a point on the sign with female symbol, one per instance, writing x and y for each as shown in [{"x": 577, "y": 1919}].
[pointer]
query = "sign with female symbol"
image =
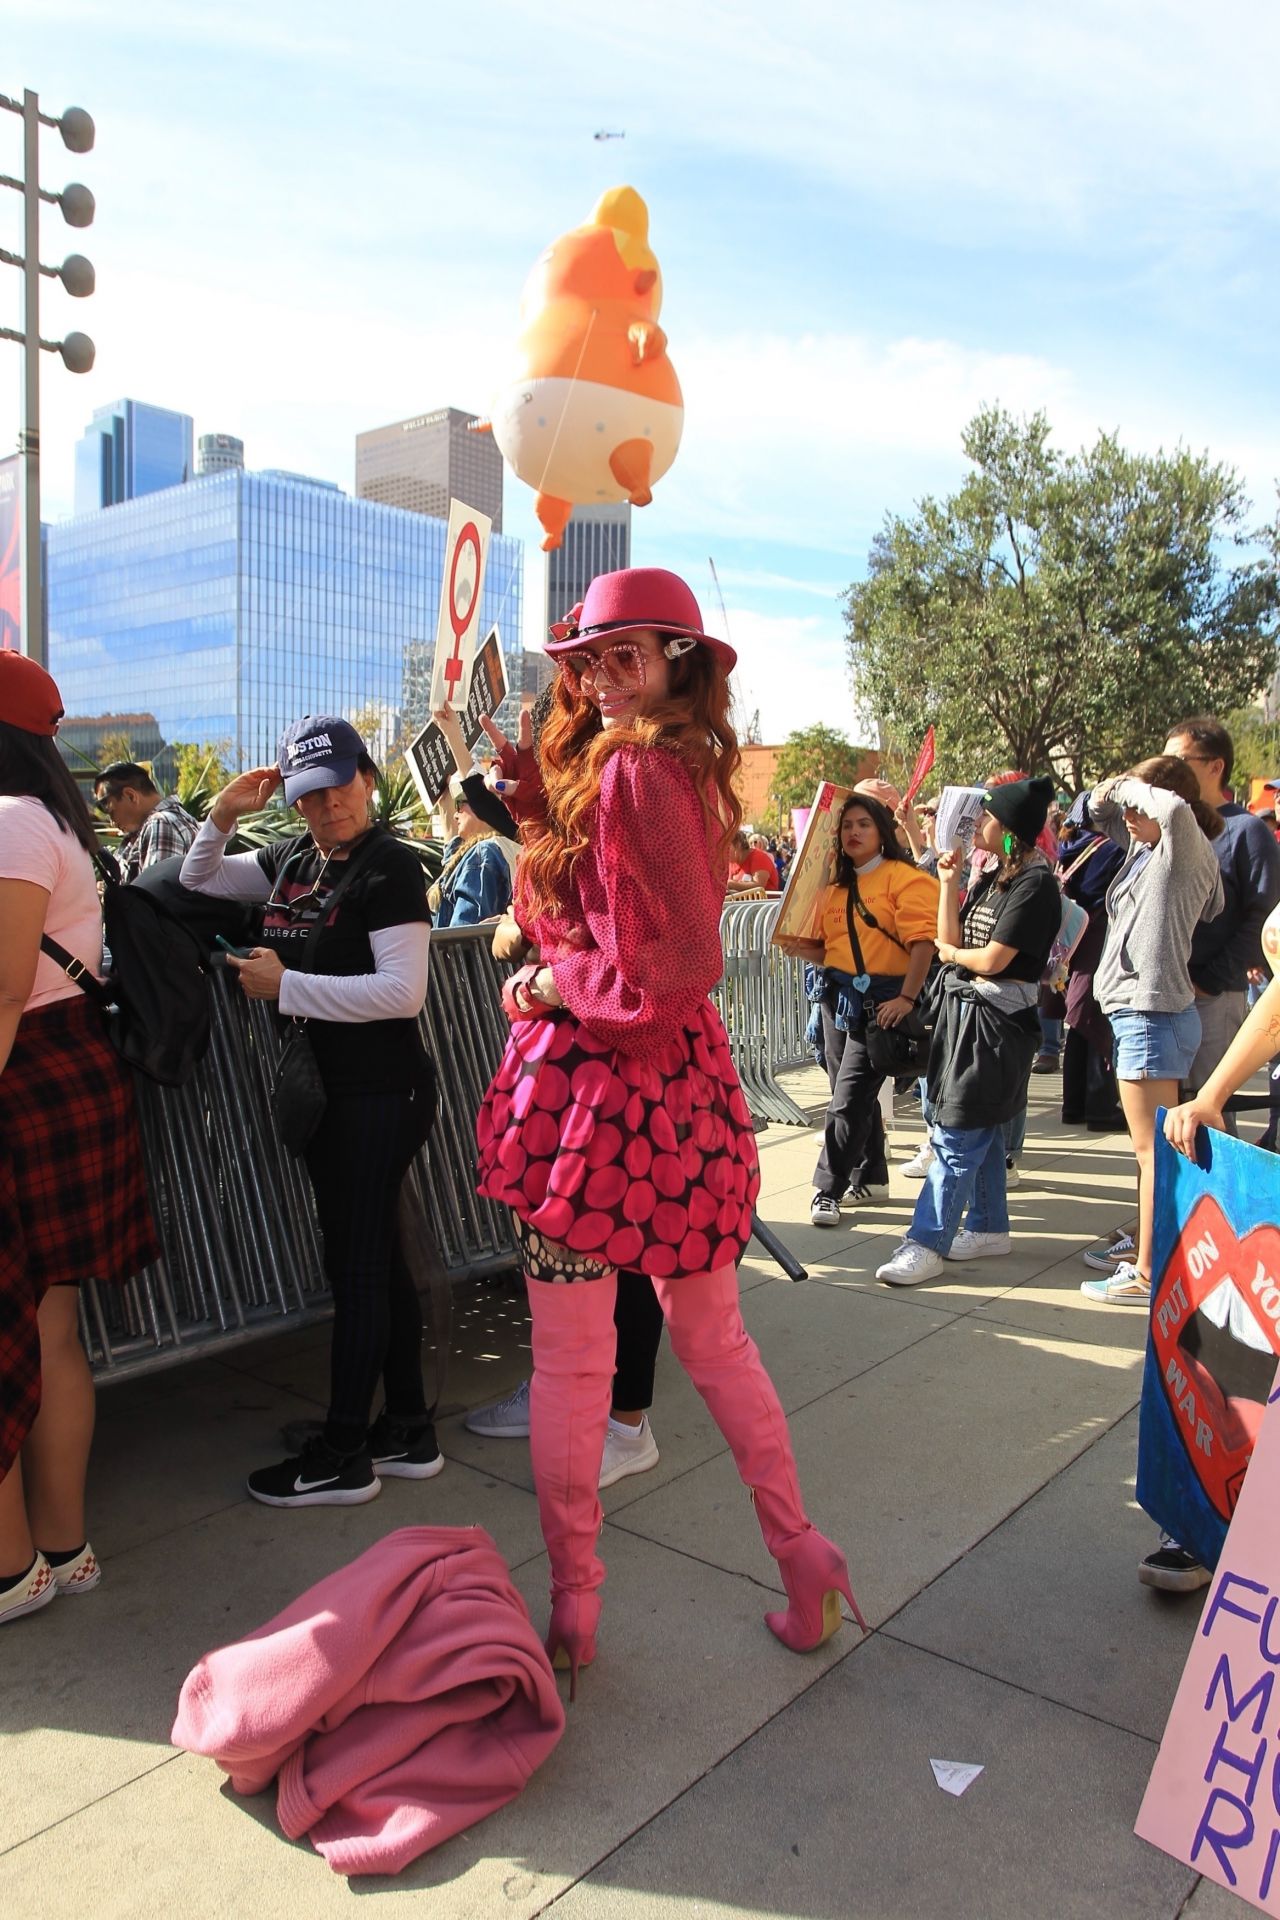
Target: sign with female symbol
[{"x": 465, "y": 553}]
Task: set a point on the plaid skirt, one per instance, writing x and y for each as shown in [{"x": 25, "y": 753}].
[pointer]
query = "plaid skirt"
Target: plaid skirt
[{"x": 73, "y": 1195}]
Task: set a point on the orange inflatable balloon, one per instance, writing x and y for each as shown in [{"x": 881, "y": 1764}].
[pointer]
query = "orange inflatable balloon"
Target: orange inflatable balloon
[{"x": 593, "y": 410}]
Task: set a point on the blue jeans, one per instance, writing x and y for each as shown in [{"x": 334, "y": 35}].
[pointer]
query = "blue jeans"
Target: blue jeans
[{"x": 967, "y": 1173}]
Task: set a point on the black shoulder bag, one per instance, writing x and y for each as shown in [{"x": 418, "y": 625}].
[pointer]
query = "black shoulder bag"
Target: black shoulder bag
[
  {"x": 893, "y": 1051},
  {"x": 298, "y": 1098}
]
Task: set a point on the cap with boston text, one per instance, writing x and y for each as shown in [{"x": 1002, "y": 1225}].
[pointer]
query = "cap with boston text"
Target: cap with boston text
[{"x": 320, "y": 751}]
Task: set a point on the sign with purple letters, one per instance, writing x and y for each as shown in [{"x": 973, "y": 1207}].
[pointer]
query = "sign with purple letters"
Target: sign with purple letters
[{"x": 1211, "y": 1436}]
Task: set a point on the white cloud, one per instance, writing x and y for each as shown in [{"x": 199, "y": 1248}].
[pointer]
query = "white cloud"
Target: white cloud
[{"x": 792, "y": 671}]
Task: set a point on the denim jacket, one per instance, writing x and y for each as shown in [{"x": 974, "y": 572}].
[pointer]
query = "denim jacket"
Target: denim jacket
[{"x": 845, "y": 994}]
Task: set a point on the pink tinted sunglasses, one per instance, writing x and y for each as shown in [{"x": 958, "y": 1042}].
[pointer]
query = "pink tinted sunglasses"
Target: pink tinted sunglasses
[{"x": 624, "y": 666}]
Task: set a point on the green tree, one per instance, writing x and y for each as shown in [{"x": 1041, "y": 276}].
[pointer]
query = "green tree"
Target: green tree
[
  {"x": 1061, "y": 611},
  {"x": 1257, "y": 743},
  {"x": 808, "y": 757},
  {"x": 200, "y": 773},
  {"x": 114, "y": 748}
]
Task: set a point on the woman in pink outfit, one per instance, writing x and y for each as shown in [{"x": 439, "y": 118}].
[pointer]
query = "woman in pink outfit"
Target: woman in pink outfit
[{"x": 615, "y": 1126}]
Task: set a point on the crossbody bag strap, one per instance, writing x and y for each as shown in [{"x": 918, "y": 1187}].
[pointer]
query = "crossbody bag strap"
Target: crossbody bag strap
[
  {"x": 77, "y": 971},
  {"x": 855, "y": 945},
  {"x": 1080, "y": 859}
]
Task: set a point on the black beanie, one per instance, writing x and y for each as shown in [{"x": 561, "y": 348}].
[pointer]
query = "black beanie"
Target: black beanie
[{"x": 1022, "y": 806}]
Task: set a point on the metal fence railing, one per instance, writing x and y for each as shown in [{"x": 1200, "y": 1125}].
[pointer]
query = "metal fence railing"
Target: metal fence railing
[
  {"x": 762, "y": 1003},
  {"x": 241, "y": 1250}
]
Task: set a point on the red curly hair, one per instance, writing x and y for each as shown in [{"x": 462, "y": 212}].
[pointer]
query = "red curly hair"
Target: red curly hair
[{"x": 692, "y": 722}]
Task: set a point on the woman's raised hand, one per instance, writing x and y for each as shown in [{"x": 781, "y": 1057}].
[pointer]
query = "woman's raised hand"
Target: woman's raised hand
[
  {"x": 247, "y": 793},
  {"x": 501, "y": 778},
  {"x": 951, "y": 863}
]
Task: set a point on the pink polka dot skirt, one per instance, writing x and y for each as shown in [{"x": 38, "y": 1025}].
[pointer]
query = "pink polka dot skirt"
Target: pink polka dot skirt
[{"x": 643, "y": 1163}]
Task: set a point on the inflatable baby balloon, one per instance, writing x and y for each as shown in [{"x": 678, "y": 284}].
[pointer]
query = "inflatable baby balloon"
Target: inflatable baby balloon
[{"x": 593, "y": 409}]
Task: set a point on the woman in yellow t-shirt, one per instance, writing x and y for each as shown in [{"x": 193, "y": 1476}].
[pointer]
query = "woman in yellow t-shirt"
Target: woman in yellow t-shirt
[{"x": 893, "y": 908}]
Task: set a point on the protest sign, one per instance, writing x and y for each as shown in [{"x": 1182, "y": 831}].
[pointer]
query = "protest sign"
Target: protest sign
[
  {"x": 957, "y": 816},
  {"x": 1213, "y": 1800},
  {"x": 430, "y": 757},
  {"x": 1214, "y": 1336},
  {"x": 924, "y": 765},
  {"x": 465, "y": 552},
  {"x": 814, "y": 867}
]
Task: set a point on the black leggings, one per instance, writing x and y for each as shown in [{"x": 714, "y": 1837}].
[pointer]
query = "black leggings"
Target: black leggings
[
  {"x": 638, "y": 1318},
  {"x": 357, "y": 1160}
]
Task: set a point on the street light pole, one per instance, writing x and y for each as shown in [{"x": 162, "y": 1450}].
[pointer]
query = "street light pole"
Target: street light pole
[
  {"x": 32, "y": 603},
  {"x": 76, "y": 275}
]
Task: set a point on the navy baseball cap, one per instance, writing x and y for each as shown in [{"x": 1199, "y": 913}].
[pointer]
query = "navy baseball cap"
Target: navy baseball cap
[{"x": 320, "y": 751}]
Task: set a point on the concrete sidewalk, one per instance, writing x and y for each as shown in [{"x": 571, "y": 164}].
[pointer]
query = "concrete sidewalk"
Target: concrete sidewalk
[{"x": 970, "y": 1444}]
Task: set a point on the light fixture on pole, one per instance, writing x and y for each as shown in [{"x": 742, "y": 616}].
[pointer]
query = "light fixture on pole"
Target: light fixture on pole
[{"x": 76, "y": 205}]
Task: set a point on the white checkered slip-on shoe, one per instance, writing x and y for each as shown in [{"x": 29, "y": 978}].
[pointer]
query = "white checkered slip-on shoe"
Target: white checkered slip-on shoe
[
  {"x": 80, "y": 1575},
  {"x": 36, "y": 1589}
]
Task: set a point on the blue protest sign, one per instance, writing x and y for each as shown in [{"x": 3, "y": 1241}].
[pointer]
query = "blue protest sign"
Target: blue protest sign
[{"x": 1214, "y": 1336}]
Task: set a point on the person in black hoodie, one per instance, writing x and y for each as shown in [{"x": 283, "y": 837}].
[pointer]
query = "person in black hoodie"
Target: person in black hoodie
[{"x": 985, "y": 1034}]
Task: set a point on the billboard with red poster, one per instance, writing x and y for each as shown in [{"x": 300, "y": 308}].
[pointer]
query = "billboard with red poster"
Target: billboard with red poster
[{"x": 10, "y": 553}]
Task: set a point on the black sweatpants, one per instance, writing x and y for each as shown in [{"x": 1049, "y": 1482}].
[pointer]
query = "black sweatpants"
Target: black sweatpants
[
  {"x": 357, "y": 1160},
  {"x": 853, "y": 1142}
]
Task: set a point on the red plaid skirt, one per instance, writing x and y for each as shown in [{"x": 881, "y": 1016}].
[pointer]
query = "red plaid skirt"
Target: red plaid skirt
[{"x": 73, "y": 1195}]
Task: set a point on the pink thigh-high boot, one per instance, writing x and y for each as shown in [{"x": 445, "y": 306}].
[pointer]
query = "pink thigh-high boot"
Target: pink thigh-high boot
[
  {"x": 574, "y": 1348},
  {"x": 716, "y": 1351}
]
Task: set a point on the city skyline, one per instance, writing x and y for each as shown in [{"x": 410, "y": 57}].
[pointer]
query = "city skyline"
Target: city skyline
[{"x": 869, "y": 225}]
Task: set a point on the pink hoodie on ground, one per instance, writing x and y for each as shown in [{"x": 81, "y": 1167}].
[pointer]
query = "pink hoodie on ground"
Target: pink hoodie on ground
[{"x": 398, "y": 1701}]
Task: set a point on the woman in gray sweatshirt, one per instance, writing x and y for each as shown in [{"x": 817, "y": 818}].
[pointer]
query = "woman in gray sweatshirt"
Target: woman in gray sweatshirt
[{"x": 1169, "y": 882}]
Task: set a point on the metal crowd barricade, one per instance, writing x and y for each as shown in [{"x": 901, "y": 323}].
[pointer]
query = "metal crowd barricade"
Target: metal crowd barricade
[
  {"x": 762, "y": 1003},
  {"x": 241, "y": 1249}
]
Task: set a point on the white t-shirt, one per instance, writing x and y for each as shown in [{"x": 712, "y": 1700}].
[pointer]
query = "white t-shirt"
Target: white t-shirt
[{"x": 34, "y": 847}]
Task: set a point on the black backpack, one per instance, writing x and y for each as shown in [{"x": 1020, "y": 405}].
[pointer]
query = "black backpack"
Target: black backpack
[{"x": 155, "y": 999}]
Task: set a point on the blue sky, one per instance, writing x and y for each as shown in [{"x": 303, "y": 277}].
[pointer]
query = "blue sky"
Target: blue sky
[{"x": 871, "y": 221}]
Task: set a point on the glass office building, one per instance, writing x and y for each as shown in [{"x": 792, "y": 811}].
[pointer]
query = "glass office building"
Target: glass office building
[
  {"x": 238, "y": 602},
  {"x": 130, "y": 449},
  {"x": 596, "y": 540}
]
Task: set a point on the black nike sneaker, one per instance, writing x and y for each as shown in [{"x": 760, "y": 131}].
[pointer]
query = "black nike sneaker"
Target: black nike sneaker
[
  {"x": 405, "y": 1451},
  {"x": 317, "y": 1477}
]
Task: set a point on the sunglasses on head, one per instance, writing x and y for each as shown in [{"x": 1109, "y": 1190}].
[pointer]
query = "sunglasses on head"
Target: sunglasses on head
[{"x": 623, "y": 665}]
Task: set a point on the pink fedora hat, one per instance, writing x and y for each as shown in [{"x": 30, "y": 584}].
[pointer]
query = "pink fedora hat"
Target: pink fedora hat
[{"x": 621, "y": 602}]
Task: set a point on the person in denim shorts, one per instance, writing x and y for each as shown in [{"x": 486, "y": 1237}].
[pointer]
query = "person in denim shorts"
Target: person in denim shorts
[{"x": 1169, "y": 883}]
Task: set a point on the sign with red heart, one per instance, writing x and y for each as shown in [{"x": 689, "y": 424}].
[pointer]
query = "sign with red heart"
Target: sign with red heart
[{"x": 1214, "y": 1317}]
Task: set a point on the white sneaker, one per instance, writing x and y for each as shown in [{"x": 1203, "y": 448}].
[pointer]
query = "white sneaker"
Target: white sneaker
[
  {"x": 918, "y": 1167},
  {"x": 910, "y": 1266},
  {"x": 627, "y": 1450},
  {"x": 824, "y": 1212},
  {"x": 1124, "y": 1288},
  {"x": 1117, "y": 1252},
  {"x": 36, "y": 1589},
  {"x": 978, "y": 1246},
  {"x": 1012, "y": 1178},
  {"x": 502, "y": 1419}
]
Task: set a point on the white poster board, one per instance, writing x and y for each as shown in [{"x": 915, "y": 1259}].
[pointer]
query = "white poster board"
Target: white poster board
[{"x": 465, "y": 553}]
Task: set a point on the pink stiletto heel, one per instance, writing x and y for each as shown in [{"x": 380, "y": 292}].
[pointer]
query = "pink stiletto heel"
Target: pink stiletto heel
[
  {"x": 571, "y": 1636},
  {"x": 815, "y": 1575}
]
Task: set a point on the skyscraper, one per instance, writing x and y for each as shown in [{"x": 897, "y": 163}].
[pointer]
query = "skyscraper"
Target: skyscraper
[
  {"x": 596, "y": 540},
  {"x": 423, "y": 463},
  {"x": 219, "y": 453},
  {"x": 130, "y": 449},
  {"x": 231, "y": 606}
]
